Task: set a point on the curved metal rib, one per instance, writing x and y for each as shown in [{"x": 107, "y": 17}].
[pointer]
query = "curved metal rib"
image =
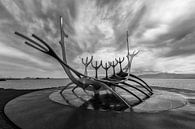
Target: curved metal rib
[
  {"x": 140, "y": 85},
  {"x": 145, "y": 86},
  {"x": 135, "y": 88},
  {"x": 73, "y": 91},
  {"x": 129, "y": 92},
  {"x": 129, "y": 85},
  {"x": 123, "y": 75},
  {"x": 61, "y": 92},
  {"x": 118, "y": 78},
  {"x": 141, "y": 81}
]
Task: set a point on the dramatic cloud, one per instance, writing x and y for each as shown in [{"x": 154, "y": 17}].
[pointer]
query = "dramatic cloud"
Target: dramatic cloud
[{"x": 162, "y": 29}]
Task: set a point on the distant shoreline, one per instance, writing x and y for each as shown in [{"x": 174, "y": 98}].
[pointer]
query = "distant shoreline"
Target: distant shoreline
[
  {"x": 147, "y": 76},
  {"x": 168, "y": 76}
]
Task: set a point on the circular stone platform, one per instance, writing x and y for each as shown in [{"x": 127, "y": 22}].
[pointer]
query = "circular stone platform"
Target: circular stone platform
[
  {"x": 36, "y": 111},
  {"x": 159, "y": 101}
]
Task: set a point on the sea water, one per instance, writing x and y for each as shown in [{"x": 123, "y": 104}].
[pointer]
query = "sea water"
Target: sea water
[
  {"x": 188, "y": 84},
  {"x": 48, "y": 83},
  {"x": 33, "y": 83}
]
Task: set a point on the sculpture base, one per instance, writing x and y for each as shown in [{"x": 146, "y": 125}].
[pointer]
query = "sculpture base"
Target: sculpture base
[
  {"x": 46, "y": 109},
  {"x": 159, "y": 101}
]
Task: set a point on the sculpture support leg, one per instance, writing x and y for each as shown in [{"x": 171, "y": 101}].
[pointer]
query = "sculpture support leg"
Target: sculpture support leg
[{"x": 61, "y": 92}]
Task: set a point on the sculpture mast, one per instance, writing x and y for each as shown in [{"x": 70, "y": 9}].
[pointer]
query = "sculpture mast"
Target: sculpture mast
[
  {"x": 62, "y": 39},
  {"x": 129, "y": 57}
]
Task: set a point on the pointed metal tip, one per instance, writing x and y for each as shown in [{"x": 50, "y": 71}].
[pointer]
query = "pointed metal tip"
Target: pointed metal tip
[{"x": 61, "y": 19}]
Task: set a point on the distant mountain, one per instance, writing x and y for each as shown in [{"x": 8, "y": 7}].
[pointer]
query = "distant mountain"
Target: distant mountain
[{"x": 168, "y": 76}]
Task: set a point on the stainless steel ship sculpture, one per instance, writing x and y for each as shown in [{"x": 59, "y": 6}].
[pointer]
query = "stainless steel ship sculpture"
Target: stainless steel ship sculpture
[{"x": 111, "y": 99}]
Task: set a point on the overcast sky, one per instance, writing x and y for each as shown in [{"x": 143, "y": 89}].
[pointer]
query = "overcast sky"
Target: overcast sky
[{"x": 163, "y": 31}]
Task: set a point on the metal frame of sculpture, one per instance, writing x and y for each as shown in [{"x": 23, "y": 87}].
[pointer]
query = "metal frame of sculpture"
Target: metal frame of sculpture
[
  {"x": 106, "y": 67},
  {"x": 86, "y": 64},
  {"x": 96, "y": 67},
  {"x": 83, "y": 81},
  {"x": 113, "y": 65}
]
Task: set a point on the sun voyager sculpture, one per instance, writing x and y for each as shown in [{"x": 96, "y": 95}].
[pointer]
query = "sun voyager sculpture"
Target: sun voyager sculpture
[{"x": 114, "y": 92}]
